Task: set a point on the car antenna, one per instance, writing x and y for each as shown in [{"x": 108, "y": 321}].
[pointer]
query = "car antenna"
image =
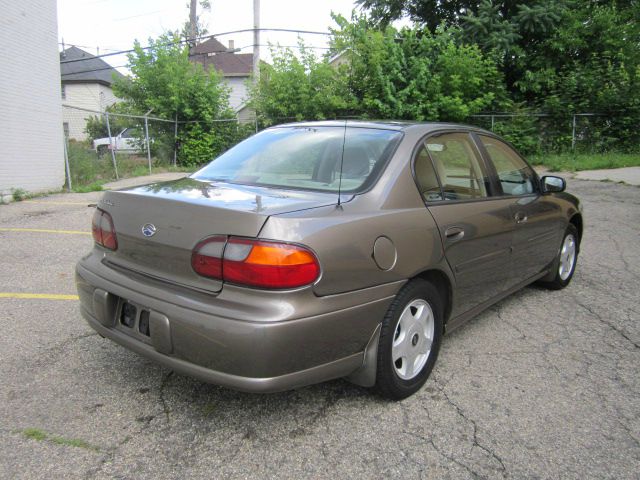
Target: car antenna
[{"x": 344, "y": 140}]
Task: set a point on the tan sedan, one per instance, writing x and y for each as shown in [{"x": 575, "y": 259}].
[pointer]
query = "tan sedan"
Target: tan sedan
[{"x": 322, "y": 250}]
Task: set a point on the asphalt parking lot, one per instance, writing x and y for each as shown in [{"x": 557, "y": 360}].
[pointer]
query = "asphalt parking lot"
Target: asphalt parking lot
[{"x": 542, "y": 385}]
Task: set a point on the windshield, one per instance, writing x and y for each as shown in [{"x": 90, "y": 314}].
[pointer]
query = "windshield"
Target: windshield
[{"x": 306, "y": 158}]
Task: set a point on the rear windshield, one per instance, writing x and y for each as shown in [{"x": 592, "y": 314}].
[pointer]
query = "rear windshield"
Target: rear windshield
[{"x": 308, "y": 158}]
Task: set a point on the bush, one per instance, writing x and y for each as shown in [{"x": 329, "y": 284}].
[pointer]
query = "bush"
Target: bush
[
  {"x": 521, "y": 131},
  {"x": 198, "y": 145},
  {"x": 165, "y": 81}
]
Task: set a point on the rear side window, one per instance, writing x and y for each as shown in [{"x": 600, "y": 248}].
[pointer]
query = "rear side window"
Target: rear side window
[
  {"x": 514, "y": 175},
  {"x": 306, "y": 158},
  {"x": 426, "y": 176},
  {"x": 455, "y": 167}
]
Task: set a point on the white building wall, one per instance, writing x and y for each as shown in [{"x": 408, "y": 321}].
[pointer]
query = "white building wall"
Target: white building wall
[
  {"x": 32, "y": 155},
  {"x": 82, "y": 95},
  {"x": 238, "y": 94},
  {"x": 107, "y": 98},
  {"x": 246, "y": 115},
  {"x": 89, "y": 96}
]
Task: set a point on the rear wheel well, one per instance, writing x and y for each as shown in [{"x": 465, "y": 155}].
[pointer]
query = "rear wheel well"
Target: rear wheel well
[
  {"x": 576, "y": 220},
  {"x": 440, "y": 280}
]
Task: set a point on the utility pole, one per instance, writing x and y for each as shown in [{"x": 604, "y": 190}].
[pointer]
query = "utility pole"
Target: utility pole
[
  {"x": 256, "y": 40},
  {"x": 193, "y": 20}
]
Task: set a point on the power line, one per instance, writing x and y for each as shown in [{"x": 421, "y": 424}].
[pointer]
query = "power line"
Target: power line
[
  {"x": 67, "y": 44},
  {"x": 205, "y": 37},
  {"x": 240, "y": 48},
  {"x": 287, "y": 46}
]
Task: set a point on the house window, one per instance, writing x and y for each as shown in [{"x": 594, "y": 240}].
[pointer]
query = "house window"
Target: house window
[
  {"x": 63, "y": 91},
  {"x": 65, "y": 128}
]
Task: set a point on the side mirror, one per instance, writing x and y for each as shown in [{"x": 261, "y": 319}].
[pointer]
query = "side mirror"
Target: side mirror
[{"x": 553, "y": 184}]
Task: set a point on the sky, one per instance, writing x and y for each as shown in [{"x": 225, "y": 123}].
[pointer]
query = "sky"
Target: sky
[{"x": 112, "y": 25}]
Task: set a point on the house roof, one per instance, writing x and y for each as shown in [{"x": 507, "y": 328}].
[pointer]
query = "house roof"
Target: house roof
[
  {"x": 210, "y": 46},
  {"x": 229, "y": 64},
  {"x": 213, "y": 54},
  {"x": 88, "y": 70}
]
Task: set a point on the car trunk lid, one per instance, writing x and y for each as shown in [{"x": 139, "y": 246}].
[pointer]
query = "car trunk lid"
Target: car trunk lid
[{"x": 176, "y": 215}]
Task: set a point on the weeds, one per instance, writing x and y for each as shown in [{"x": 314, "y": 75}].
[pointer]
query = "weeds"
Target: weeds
[
  {"x": 571, "y": 162},
  {"x": 41, "y": 436},
  {"x": 89, "y": 171},
  {"x": 92, "y": 187},
  {"x": 19, "y": 194}
]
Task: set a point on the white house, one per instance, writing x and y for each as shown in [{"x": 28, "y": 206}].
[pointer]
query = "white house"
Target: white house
[
  {"x": 85, "y": 83},
  {"x": 32, "y": 153},
  {"x": 235, "y": 68}
]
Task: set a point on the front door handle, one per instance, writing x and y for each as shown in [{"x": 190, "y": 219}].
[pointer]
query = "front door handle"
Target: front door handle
[
  {"x": 520, "y": 217},
  {"x": 454, "y": 233}
]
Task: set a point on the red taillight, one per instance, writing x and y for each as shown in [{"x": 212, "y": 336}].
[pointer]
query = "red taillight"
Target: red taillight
[
  {"x": 103, "y": 231},
  {"x": 259, "y": 263},
  {"x": 256, "y": 263}
]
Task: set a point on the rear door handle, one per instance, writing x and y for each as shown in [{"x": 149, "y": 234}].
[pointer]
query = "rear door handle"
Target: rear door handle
[
  {"x": 520, "y": 217},
  {"x": 454, "y": 233}
]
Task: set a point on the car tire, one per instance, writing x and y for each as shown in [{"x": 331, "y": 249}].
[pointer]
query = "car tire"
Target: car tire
[
  {"x": 406, "y": 354},
  {"x": 102, "y": 150},
  {"x": 565, "y": 263}
]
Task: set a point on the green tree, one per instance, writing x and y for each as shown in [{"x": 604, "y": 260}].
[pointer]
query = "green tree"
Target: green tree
[
  {"x": 430, "y": 13},
  {"x": 300, "y": 87},
  {"x": 508, "y": 30},
  {"x": 559, "y": 57},
  {"x": 409, "y": 74},
  {"x": 165, "y": 82},
  {"x": 591, "y": 64},
  {"x": 415, "y": 74}
]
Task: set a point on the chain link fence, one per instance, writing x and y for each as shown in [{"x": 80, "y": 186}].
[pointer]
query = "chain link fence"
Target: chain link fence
[
  {"x": 104, "y": 146},
  {"x": 542, "y": 133},
  {"x": 558, "y": 133}
]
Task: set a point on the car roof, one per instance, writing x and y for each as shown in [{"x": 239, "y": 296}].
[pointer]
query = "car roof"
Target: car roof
[{"x": 398, "y": 125}]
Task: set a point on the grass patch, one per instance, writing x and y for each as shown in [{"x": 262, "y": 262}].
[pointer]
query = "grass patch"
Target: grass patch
[
  {"x": 41, "y": 436},
  {"x": 92, "y": 187},
  {"x": 19, "y": 194},
  {"x": 34, "y": 434},
  {"x": 572, "y": 162},
  {"x": 89, "y": 171},
  {"x": 73, "y": 442}
]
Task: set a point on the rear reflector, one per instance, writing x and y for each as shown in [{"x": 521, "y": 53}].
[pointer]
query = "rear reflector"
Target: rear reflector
[
  {"x": 206, "y": 258},
  {"x": 255, "y": 263},
  {"x": 103, "y": 230}
]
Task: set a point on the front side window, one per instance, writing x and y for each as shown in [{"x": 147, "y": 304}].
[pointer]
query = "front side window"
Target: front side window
[
  {"x": 456, "y": 166},
  {"x": 312, "y": 158},
  {"x": 514, "y": 175}
]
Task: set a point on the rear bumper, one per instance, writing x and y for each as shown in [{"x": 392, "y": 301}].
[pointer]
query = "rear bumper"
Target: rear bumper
[{"x": 243, "y": 339}]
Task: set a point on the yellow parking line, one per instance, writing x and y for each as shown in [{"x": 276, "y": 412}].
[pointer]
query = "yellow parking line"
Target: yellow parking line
[
  {"x": 44, "y": 230},
  {"x": 56, "y": 203},
  {"x": 42, "y": 296}
]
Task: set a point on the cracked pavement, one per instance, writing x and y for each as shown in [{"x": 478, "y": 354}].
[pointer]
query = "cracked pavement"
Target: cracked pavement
[{"x": 541, "y": 385}]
